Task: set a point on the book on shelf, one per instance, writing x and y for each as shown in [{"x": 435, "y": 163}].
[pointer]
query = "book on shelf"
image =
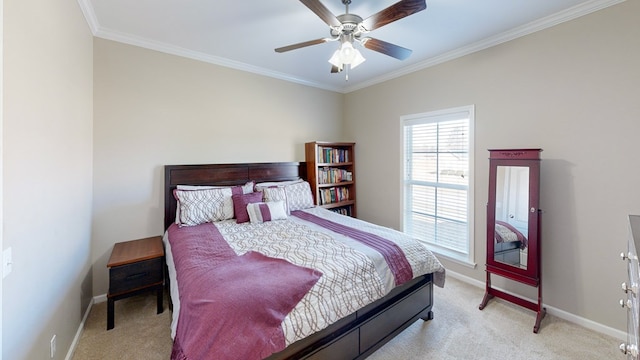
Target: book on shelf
[
  {"x": 342, "y": 210},
  {"x": 333, "y": 155},
  {"x": 331, "y": 169},
  {"x": 333, "y": 195},
  {"x": 333, "y": 175}
]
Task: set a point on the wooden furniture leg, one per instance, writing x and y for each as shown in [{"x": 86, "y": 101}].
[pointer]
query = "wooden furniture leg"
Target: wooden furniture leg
[
  {"x": 487, "y": 295},
  {"x": 159, "y": 296},
  {"x": 541, "y": 311},
  {"x": 110, "y": 315}
]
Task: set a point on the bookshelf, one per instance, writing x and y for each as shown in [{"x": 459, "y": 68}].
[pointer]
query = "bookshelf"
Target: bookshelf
[{"x": 331, "y": 174}]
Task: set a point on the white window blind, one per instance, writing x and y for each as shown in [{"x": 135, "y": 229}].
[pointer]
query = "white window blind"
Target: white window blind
[{"x": 436, "y": 174}]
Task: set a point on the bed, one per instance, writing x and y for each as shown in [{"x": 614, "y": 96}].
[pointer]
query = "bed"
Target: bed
[{"x": 353, "y": 335}]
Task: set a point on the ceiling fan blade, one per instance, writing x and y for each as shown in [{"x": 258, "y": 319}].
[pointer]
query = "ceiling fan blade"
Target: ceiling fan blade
[
  {"x": 322, "y": 12},
  {"x": 301, "y": 45},
  {"x": 394, "y": 12},
  {"x": 386, "y": 48}
]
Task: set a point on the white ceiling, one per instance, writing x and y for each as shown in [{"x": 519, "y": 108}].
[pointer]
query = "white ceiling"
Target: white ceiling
[{"x": 244, "y": 34}]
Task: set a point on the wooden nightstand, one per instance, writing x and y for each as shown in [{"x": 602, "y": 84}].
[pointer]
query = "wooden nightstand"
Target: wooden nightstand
[{"x": 135, "y": 266}]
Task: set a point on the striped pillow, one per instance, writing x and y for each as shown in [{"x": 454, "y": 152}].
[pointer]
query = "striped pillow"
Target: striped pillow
[{"x": 263, "y": 212}]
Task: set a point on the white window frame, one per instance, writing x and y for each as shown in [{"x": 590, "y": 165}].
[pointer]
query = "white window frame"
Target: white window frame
[{"x": 467, "y": 259}]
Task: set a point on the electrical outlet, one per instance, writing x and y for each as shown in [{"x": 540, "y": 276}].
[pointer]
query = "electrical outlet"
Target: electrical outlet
[{"x": 53, "y": 346}]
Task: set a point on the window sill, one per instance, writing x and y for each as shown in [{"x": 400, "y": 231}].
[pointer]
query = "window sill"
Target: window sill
[{"x": 453, "y": 257}]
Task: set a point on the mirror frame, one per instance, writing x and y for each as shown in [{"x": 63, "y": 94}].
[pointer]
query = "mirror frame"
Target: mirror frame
[{"x": 525, "y": 158}]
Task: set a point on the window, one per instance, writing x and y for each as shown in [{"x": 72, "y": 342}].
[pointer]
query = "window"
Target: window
[{"x": 437, "y": 184}]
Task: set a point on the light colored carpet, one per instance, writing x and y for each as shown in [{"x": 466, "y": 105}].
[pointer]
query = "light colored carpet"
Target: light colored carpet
[
  {"x": 139, "y": 332},
  {"x": 458, "y": 331}
]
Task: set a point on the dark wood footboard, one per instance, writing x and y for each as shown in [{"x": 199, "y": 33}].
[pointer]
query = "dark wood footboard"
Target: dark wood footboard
[{"x": 360, "y": 334}]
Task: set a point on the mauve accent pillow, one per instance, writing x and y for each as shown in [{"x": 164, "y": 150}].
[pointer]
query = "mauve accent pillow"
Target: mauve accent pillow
[{"x": 240, "y": 202}]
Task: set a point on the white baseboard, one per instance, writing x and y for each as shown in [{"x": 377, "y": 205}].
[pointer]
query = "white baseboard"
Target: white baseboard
[
  {"x": 76, "y": 339},
  {"x": 586, "y": 323},
  {"x": 100, "y": 299},
  {"x": 95, "y": 300}
]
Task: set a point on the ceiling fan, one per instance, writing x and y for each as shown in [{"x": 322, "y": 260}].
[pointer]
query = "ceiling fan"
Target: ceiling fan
[{"x": 349, "y": 28}]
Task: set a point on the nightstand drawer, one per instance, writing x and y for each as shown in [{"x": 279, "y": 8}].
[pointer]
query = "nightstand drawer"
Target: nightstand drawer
[{"x": 133, "y": 276}]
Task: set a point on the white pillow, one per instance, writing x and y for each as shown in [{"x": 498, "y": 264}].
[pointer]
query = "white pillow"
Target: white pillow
[
  {"x": 262, "y": 185},
  {"x": 263, "y": 212},
  {"x": 246, "y": 188},
  {"x": 201, "y": 206},
  {"x": 195, "y": 187},
  {"x": 272, "y": 194},
  {"x": 296, "y": 196},
  {"x": 299, "y": 196}
]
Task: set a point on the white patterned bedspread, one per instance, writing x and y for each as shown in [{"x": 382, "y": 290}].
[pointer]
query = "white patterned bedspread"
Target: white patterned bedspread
[
  {"x": 505, "y": 234},
  {"x": 354, "y": 275}
]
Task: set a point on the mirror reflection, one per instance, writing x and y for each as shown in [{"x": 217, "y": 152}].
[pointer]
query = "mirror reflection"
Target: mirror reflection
[{"x": 512, "y": 215}]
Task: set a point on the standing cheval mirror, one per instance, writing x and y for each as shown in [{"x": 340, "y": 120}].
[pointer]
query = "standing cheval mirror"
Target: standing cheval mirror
[{"x": 513, "y": 224}]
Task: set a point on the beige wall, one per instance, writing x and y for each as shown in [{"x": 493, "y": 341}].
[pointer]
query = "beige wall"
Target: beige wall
[
  {"x": 571, "y": 90},
  {"x": 47, "y": 156},
  {"x": 154, "y": 109},
  {"x": 68, "y": 196}
]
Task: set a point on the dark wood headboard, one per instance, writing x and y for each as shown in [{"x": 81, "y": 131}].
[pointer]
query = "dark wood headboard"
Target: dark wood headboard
[{"x": 223, "y": 175}]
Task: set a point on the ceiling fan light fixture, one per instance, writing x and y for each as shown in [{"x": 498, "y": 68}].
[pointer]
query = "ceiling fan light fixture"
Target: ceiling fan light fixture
[
  {"x": 357, "y": 59},
  {"x": 347, "y": 52},
  {"x": 346, "y": 55},
  {"x": 335, "y": 60}
]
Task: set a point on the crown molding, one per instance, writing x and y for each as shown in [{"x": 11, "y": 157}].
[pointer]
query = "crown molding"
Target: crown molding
[
  {"x": 520, "y": 31},
  {"x": 89, "y": 15},
  {"x": 113, "y": 35},
  {"x": 108, "y": 34},
  {"x": 534, "y": 26}
]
